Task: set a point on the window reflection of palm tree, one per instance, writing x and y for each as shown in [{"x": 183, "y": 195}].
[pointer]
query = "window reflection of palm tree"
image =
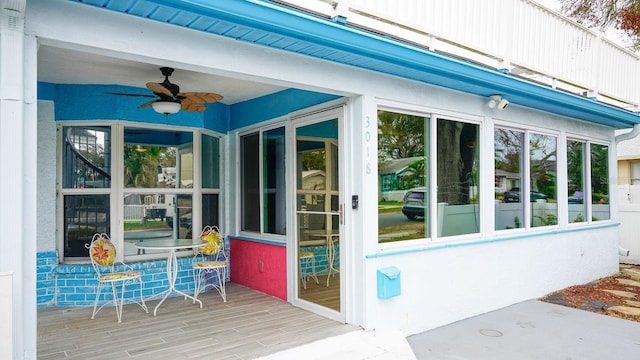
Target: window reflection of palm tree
[{"x": 140, "y": 167}]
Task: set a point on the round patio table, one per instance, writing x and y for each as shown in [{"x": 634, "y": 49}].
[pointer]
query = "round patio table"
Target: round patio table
[
  {"x": 172, "y": 263},
  {"x": 142, "y": 235}
]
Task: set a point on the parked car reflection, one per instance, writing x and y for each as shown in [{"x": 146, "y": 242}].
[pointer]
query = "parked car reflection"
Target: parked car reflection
[{"x": 513, "y": 195}]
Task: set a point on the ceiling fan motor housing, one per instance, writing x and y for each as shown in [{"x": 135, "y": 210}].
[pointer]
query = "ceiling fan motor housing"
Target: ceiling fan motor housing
[{"x": 173, "y": 88}]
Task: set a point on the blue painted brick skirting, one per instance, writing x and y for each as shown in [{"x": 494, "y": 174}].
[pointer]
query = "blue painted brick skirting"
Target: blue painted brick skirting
[
  {"x": 46, "y": 262},
  {"x": 321, "y": 263},
  {"x": 75, "y": 284}
]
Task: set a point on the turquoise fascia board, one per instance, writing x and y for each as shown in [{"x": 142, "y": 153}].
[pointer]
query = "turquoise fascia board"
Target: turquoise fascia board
[
  {"x": 453, "y": 73},
  {"x": 381, "y": 54}
]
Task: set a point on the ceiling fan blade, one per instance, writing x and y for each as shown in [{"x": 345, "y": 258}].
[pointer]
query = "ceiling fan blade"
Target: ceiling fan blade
[
  {"x": 189, "y": 105},
  {"x": 126, "y": 94},
  {"x": 159, "y": 89},
  {"x": 147, "y": 104},
  {"x": 201, "y": 97}
]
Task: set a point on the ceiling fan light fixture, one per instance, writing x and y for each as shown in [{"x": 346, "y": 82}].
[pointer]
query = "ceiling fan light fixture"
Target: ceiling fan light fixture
[{"x": 166, "y": 107}]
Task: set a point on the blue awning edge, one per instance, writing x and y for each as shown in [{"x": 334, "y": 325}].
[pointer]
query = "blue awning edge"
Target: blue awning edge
[{"x": 324, "y": 38}]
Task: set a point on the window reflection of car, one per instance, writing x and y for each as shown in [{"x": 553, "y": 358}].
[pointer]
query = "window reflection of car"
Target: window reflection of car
[
  {"x": 513, "y": 195},
  {"x": 184, "y": 221},
  {"x": 413, "y": 203}
]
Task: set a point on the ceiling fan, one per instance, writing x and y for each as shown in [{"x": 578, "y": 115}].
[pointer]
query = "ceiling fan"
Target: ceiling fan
[{"x": 169, "y": 99}]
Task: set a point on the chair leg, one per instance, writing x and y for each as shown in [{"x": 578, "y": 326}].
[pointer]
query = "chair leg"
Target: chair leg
[
  {"x": 303, "y": 278},
  {"x": 118, "y": 300},
  {"x": 142, "y": 303},
  {"x": 313, "y": 269},
  {"x": 95, "y": 303},
  {"x": 308, "y": 268},
  {"x": 198, "y": 279},
  {"x": 222, "y": 275},
  {"x": 118, "y": 297},
  {"x": 219, "y": 275}
]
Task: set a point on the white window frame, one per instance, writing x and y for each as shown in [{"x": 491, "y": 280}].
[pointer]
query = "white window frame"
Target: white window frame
[
  {"x": 260, "y": 130},
  {"x": 525, "y": 183},
  {"x": 116, "y": 191},
  {"x": 433, "y": 115}
]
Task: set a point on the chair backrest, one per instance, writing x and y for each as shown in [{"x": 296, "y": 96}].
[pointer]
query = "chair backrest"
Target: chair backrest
[
  {"x": 102, "y": 253},
  {"x": 215, "y": 242}
]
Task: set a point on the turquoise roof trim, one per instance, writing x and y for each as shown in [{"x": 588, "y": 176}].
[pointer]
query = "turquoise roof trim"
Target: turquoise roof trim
[{"x": 272, "y": 25}]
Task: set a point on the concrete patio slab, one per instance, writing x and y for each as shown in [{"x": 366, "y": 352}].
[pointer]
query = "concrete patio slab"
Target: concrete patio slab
[
  {"x": 532, "y": 330},
  {"x": 356, "y": 345}
]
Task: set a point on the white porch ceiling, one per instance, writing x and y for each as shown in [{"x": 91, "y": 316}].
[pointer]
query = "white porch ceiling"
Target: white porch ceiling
[{"x": 65, "y": 66}]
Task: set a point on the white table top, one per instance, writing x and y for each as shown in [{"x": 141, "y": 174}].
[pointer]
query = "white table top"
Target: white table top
[
  {"x": 170, "y": 244},
  {"x": 147, "y": 234}
]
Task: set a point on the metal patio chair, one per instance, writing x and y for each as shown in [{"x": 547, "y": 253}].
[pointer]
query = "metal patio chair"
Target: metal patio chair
[
  {"x": 211, "y": 259},
  {"x": 102, "y": 252},
  {"x": 307, "y": 267}
]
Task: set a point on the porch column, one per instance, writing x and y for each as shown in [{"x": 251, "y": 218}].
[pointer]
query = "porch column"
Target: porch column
[{"x": 17, "y": 181}]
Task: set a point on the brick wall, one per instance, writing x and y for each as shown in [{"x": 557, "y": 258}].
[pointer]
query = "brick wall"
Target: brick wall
[
  {"x": 75, "y": 284},
  {"x": 46, "y": 262}
]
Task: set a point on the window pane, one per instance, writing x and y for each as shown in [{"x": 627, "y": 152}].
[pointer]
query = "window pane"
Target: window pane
[
  {"x": 186, "y": 167},
  {"x": 84, "y": 215},
  {"x": 150, "y": 217},
  {"x": 509, "y": 209},
  {"x": 210, "y": 162},
  {"x": 335, "y": 178},
  {"x": 250, "y": 178},
  {"x": 210, "y": 211},
  {"x": 543, "y": 163},
  {"x": 182, "y": 218},
  {"x": 600, "y": 182},
  {"x": 274, "y": 181},
  {"x": 86, "y": 157},
  {"x": 403, "y": 201},
  {"x": 150, "y": 159},
  {"x": 458, "y": 181},
  {"x": 575, "y": 181}
]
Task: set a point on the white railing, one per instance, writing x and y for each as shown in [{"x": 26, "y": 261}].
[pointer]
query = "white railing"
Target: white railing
[
  {"x": 517, "y": 35},
  {"x": 133, "y": 213}
]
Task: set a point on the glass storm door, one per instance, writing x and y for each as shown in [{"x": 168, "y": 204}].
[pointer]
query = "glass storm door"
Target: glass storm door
[{"x": 318, "y": 216}]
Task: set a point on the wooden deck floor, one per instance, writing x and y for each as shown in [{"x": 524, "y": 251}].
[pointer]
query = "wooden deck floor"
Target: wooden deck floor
[{"x": 249, "y": 325}]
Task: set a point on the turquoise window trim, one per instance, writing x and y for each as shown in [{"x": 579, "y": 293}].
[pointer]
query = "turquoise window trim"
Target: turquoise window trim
[{"x": 449, "y": 245}]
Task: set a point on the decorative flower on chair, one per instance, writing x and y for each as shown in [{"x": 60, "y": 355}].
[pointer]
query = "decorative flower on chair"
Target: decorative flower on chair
[
  {"x": 103, "y": 252},
  {"x": 214, "y": 242}
]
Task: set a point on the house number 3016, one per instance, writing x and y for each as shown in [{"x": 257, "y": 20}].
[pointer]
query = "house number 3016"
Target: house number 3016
[{"x": 367, "y": 140}]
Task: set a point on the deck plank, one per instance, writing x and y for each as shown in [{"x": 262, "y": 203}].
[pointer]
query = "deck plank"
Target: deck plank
[{"x": 249, "y": 325}]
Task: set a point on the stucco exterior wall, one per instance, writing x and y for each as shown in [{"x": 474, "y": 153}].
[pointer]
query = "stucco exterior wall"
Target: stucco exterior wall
[
  {"x": 450, "y": 279},
  {"x": 46, "y": 177},
  {"x": 446, "y": 283}
]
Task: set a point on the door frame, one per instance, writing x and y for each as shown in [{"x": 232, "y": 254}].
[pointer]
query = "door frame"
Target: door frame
[{"x": 293, "y": 281}]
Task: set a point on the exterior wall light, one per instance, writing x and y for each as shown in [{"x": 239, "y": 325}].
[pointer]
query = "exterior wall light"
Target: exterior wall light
[{"x": 497, "y": 101}]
